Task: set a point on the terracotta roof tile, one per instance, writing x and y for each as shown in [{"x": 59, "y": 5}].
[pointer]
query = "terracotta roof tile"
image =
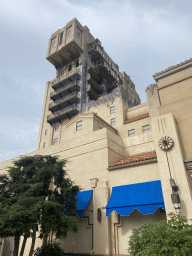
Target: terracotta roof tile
[
  {"x": 135, "y": 158},
  {"x": 133, "y": 119}
]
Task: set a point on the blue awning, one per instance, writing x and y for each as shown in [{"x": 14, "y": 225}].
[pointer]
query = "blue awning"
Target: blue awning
[
  {"x": 145, "y": 197},
  {"x": 83, "y": 198}
]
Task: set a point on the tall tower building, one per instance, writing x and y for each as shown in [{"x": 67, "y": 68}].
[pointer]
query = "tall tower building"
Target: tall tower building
[
  {"x": 85, "y": 76},
  {"x": 132, "y": 161}
]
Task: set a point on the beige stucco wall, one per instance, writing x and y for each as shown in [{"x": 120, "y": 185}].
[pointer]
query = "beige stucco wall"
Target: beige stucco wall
[{"x": 128, "y": 223}]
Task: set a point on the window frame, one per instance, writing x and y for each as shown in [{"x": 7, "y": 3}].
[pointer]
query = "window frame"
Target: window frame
[
  {"x": 57, "y": 127},
  {"x": 55, "y": 141},
  {"x": 112, "y": 121},
  {"x": 112, "y": 109},
  {"x": 131, "y": 134},
  {"x": 147, "y": 130},
  {"x": 79, "y": 125}
]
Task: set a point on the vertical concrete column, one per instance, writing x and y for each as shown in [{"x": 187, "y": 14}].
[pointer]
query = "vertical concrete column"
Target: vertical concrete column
[
  {"x": 171, "y": 161},
  {"x": 101, "y": 234},
  {"x": 51, "y": 135},
  {"x": 43, "y": 116}
]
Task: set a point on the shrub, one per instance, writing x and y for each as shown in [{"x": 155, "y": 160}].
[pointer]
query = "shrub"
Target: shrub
[
  {"x": 49, "y": 250},
  {"x": 172, "y": 238}
]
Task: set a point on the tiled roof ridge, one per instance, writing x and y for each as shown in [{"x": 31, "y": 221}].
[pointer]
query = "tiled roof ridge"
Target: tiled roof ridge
[
  {"x": 135, "y": 158},
  {"x": 172, "y": 67},
  {"x": 136, "y": 118}
]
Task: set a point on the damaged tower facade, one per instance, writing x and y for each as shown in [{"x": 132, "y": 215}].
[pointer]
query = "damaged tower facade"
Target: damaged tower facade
[{"x": 84, "y": 74}]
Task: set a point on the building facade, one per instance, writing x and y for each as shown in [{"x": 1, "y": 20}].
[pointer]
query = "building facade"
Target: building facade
[{"x": 133, "y": 161}]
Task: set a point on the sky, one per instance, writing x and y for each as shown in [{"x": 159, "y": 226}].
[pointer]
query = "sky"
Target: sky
[{"x": 142, "y": 36}]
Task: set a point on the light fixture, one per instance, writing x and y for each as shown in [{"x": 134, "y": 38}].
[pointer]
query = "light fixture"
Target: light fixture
[{"x": 175, "y": 196}]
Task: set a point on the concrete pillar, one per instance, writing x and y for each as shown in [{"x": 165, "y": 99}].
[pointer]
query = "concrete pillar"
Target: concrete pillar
[
  {"x": 165, "y": 126},
  {"x": 101, "y": 234}
]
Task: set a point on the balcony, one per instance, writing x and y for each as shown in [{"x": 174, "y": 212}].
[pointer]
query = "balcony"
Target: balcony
[
  {"x": 98, "y": 87},
  {"x": 92, "y": 93},
  {"x": 96, "y": 76},
  {"x": 64, "y": 102},
  {"x": 62, "y": 114},
  {"x": 67, "y": 78},
  {"x": 67, "y": 53},
  {"x": 106, "y": 72},
  {"x": 65, "y": 89}
]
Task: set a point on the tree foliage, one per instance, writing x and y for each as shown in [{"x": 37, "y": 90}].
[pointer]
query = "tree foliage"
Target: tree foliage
[
  {"x": 37, "y": 192},
  {"x": 172, "y": 238},
  {"x": 49, "y": 250}
]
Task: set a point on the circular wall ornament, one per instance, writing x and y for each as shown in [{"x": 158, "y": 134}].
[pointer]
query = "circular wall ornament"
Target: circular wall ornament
[{"x": 166, "y": 143}]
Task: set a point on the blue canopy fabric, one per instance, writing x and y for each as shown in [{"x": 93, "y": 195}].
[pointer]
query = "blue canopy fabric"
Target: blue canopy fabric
[
  {"x": 83, "y": 198},
  {"x": 146, "y": 197}
]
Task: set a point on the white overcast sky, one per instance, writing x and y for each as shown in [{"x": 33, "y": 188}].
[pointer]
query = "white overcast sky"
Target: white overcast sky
[{"x": 142, "y": 36}]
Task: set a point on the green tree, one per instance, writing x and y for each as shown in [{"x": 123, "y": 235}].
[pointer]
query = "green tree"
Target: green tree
[
  {"x": 37, "y": 192},
  {"x": 172, "y": 238}
]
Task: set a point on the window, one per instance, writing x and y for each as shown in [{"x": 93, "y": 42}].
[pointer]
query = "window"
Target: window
[
  {"x": 78, "y": 34},
  {"x": 131, "y": 132},
  {"x": 79, "y": 125},
  {"x": 61, "y": 38},
  {"x": 77, "y": 63},
  {"x": 57, "y": 127},
  {"x": 69, "y": 32},
  {"x": 55, "y": 141},
  {"x": 53, "y": 44},
  {"x": 113, "y": 121},
  {"x": 44, "y": 144},
  {"x": 146, "y": 128},
  {"x": 112, "y": 109},
  {"x": 70, "y": 67},
  {"x": 62, "y": 72},
  {"x": 45, "y": 132}
]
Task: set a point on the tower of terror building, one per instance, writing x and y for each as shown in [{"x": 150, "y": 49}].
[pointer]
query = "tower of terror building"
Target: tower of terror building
[{"x": 132, "y": 161}]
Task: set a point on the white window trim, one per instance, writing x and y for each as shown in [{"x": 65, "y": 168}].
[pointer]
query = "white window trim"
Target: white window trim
[
  {"x": 55, "y": 141},
  {"x": 79, "y": 125},
  {"x": 147, "y": 130},
  {"x": 131, "y": 134},
  {"x": 114, "y": 120},
  {"x": 112, "y": 109}
]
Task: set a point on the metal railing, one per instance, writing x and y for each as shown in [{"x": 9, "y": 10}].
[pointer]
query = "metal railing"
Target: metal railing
[
  {"x": 63, "y": 88},
  {"x": 61, "y": 112},
  {"x": 71, "y": 75},
  {"x": 65, "y": 98}
]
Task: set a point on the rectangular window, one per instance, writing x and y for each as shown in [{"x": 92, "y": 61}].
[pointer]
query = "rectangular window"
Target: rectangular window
[
  {"x": 45, "y": 132},
  {"x": 55, "y": 141},
  {"x": 146, "y": 128},
  {"x": 57, "y": 127},
  {"x": 112, "y": 109},
  {"x": 61, "y": 38},
  {"x": 79, "y": 125},
  {"x": 113, "y": 121},
  {"x": 131, "y": 132},
  {"x": 44, "y": 144}
]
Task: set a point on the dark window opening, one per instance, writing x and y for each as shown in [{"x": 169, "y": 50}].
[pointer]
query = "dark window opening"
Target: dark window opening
[
  {"x": 61, "y": 38},
  {"x": 77, "y": 63},
  {"x": 70, "y": 67}
]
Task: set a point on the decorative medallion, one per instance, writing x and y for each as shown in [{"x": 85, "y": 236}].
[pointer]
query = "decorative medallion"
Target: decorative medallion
[{"x": 166, "y": 143}]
